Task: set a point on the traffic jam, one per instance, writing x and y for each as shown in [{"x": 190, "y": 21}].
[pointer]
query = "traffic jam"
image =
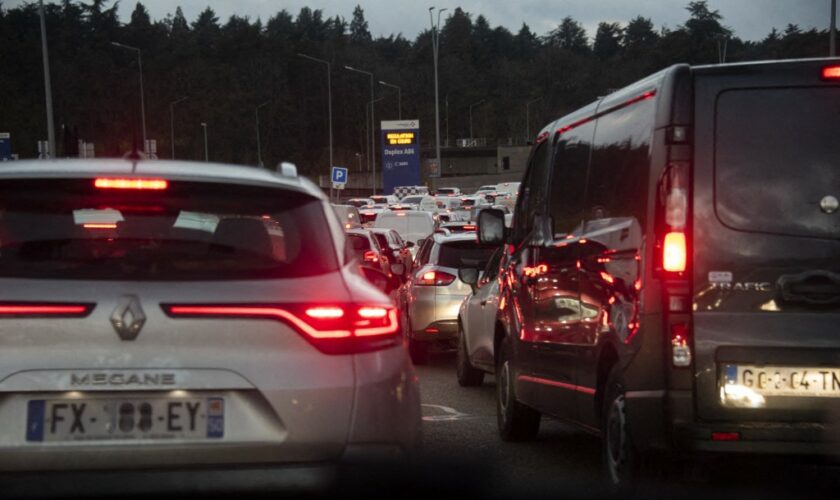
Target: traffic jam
[{"x": 639, "y": 299}]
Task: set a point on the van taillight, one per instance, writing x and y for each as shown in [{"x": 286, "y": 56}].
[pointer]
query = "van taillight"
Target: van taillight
[
  {"x": 831, "y": 72},
  {"x": 674, "y": 252},
  {"x": 370, "y": 256},
  {"x": 332, "y": 329}
]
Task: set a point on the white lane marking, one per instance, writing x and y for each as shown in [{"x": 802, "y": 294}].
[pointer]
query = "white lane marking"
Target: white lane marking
[{"x": 449, "y": 415}]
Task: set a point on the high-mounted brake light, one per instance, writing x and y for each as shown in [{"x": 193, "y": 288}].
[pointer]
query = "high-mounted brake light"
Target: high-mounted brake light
[
  {"x": 831, "y": 72},
  {"x": 332, "y": 329},
  {"x": 39, "y": 310},
  {"x": 99, "y": 226},
  {"x": 123, "y": 183}
]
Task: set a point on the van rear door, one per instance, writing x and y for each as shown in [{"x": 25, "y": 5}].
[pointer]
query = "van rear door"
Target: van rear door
[{"x": 766, "y": 243}]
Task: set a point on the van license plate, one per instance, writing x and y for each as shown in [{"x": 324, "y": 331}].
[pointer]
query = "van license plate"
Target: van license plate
[
  {"x": 100, "y": 419},
  {"x": 785, "y": 380}
]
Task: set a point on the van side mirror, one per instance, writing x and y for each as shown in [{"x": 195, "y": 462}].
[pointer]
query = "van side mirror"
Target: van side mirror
[{"x": 491, "y": 227}]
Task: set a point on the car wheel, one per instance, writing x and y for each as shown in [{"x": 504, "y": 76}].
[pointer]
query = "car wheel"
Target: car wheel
[
  {"x": 419, "y": 352},
  {"x": 468, "y": 376},
  {"x": 516, "y": 421},
  {"x": 622, "y": 462}
]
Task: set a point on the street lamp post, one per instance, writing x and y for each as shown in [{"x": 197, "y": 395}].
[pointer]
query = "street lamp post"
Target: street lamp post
[
  {"x": 51, "y": 149},
  {"x": 368, "y": 110},
  {"x": 329, "y": 103},
  {"x": 528, "y": 117},
  {"x": 359, "y": 158},
  {"x": 142, "y": 102},
  {"x": 472, "y": 139},
  {"x": 399, "y": 97},
  {"x": 172, "y": 122},
  {"x": 372, "y": 158},
  {"x": 435, "y": 46},
  {"x": 206, "y": 154},
  {"x": 257, "y": 118}
]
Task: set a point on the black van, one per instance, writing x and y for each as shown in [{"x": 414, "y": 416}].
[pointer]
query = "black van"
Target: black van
[{"x": 671, "y": 281}]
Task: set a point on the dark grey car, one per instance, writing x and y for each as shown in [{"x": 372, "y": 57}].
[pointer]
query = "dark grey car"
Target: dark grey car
[{"x": 672, "y": 276}]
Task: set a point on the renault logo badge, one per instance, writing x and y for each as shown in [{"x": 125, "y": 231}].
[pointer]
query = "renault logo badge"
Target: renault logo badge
[{"x": 128, "y": 318}]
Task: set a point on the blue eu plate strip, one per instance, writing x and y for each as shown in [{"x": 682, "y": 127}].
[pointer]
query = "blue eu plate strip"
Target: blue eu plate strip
[
  {"x": 215, "y": 417},
  {"x": 35, "y": 420}
]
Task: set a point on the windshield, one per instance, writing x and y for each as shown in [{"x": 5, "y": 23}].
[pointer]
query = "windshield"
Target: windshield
[{"x": 65, "y": 229}]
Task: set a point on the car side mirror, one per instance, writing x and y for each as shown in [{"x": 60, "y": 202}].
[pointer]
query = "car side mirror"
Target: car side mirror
[
  {"x": 469, "y": 275},
  {"x": 409, "y": 244},
  {"x": 379, "y": 279},
  {"x": 491, "y": 227}
]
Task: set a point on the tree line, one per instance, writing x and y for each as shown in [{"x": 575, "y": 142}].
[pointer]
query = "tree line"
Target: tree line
[{"x": 227, "y": 68}]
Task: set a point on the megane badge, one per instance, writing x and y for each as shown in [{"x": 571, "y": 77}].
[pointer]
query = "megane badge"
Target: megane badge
[{"x": 128, "y": 318}]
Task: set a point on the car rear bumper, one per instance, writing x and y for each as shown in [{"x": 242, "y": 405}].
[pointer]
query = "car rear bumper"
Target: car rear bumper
[
  {"x": 665, "y": 421},
  {"x": 437, "y": 330}
]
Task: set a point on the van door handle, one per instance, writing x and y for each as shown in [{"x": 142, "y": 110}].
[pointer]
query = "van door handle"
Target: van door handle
[{"x": 811, "y": 287}]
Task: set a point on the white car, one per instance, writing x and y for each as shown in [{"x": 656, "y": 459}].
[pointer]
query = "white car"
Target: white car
[
  {"x": 506, "y": 194},
  {"x": 413, "y": 226},
  {"x": 413, "y": 202},
  {"x": 216, "y": 320},
  {"x": 448, "y": 191},
  {"x": 477, "y": 323},
  {"x": 368, "y": 214}
]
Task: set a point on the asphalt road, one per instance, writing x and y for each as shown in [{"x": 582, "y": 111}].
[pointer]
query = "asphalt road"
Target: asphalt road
[{"x": 460, "y": 430}]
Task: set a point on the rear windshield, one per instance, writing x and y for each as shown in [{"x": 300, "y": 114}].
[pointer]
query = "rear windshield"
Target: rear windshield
[
  {"x": 359, "y": 243},
  {"x": 464, "y": 254},
  {"x": 67, "y": 229},
  {"x": 414, "y": 200},
  {"x": 775, "y": 163}
]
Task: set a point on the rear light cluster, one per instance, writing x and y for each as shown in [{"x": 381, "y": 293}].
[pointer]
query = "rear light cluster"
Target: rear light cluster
[
  {"x": 371, "y": 256},
  {"x": 831, "y": 72},
  {"x": 673, "y": 246},
  {"x": 435, "y": 278},
  {"x": 332, "y": 329},
  {"x": 44, "y": 310}
]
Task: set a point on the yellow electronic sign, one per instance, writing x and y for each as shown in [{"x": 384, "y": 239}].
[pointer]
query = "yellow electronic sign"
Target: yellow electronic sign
[{"x": 400, "y": 138}]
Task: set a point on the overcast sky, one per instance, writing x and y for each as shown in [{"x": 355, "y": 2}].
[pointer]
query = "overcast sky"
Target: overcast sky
[{"x": 750, "y": 19}]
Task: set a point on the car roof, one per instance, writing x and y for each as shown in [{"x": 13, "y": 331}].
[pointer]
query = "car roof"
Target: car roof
[{"x": 168, "y": 169}]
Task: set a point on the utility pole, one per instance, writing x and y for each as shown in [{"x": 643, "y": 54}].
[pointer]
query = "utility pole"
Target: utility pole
[
  {"x": 832, "y": 50},
  {"x": 329, "y": 107},
  {"x": 435, "y": 47},
  {"x": 47, "y": 86},
  {"x": 172, "y": 123},
  {"x": 399, "y": 97},
  {"x": 372, "y": 123},
  {"x": 528, "y": 118},
  {"x": 257, "y": 118},
  {"x": 142, "y": 102}
]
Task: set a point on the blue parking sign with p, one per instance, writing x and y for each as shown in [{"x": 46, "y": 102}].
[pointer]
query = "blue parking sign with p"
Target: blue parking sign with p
[{"x": 339, "y": 175}]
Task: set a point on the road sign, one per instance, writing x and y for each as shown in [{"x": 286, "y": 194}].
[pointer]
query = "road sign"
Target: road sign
[
  {"x": 339, "y": 175},
  {"x": 400, "y": 154},
  {"x": 5, "y": 146}
]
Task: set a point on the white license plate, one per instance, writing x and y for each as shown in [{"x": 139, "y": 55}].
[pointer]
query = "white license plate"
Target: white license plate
[
  {"x": 785, "y": 380},
  {"x": 94, "y": 419}
]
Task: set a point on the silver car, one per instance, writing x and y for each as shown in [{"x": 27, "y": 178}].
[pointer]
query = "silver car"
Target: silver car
[
  {"x": 167, "y": 313},
  {"x": 477, "y": 323},
  {"x": 433, "y": 294}
]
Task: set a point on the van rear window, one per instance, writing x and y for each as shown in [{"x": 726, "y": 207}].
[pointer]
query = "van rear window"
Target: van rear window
[
  {"x": 776, "y": 158},
  {"x": 464, "y": 254}
]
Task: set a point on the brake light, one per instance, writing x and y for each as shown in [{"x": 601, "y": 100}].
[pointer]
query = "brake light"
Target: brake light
[
  {"x": 40, "y": 310},
  {"x": 122, "y": 183},
  {"x": 435, "y": 278},
  {"x": 469, "y": 228},
  {"x": 726, "y": 436},
  {"x": 680, "y": 345},
  {"x": 99, "y": 226},
  {"x": 674, "y": 252},
  {"x": 831, "y": 73},
  {"x": 332, "y": 329},
  {"x": 370, "y": 256}
]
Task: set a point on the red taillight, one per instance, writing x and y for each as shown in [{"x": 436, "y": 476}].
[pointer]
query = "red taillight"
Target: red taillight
[
  {"x": 674, "y": 252},
  {"x": 435, "y": 278},
  {"x": 370, "y": 256},
  {"x": 38, "y": 310},
  {"x": 122, "y": 183},
  {"x": 99, "y": 226},
  {"x": 332, "y": 329},
  {"x": 469, "y": 228},
  {"x": 726, "y": 436},
  {"x": 831, "y": 73}
]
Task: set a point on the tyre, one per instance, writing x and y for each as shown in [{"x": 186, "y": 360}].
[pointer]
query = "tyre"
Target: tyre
[
  {"x": 517, "y": 422},
  {"x": 622, "y": 463},
  {"x": 419, "y": 352},
  {"x": 468, "y": 375}
]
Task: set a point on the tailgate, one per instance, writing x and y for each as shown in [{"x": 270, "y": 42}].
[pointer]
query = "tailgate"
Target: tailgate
[{"x": 767, "y": 245}]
